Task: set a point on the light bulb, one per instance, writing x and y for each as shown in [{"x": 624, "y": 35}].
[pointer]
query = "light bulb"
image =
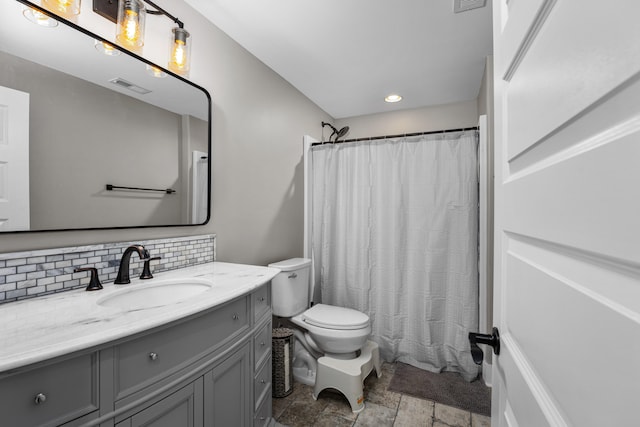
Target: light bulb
[
  {"x": 130, "y": 27},
  {"x": 179, "y": 56},
  {"x": 131, "y": 30}
]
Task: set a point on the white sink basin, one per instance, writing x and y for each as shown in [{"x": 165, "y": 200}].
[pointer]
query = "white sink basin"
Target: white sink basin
[{"x": 158, "y": 294}]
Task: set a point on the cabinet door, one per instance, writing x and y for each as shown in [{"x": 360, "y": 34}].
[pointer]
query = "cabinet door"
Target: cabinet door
[
  {"x": 182, "y": 408},
  {"x": 228, "y": 391}
]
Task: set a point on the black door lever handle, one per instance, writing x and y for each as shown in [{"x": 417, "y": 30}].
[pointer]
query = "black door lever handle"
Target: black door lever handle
[{"x": 492, "y": 340}]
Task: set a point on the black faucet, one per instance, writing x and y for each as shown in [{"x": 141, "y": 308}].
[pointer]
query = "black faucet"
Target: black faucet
[{"x": 123, "y": 271}]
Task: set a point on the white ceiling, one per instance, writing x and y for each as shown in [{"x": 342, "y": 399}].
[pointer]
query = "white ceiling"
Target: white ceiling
[{"x": 347, "y": 55}]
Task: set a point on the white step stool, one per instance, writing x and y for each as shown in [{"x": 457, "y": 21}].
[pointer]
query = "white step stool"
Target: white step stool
[{"x": 347, "y": 376}]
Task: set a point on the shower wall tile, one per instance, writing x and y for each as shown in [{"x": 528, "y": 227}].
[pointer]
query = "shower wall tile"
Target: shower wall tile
[{"x": 35, "y": 273}]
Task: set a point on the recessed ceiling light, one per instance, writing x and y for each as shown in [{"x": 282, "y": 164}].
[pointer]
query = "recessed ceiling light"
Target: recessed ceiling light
[{"x": 393, "y": 98}]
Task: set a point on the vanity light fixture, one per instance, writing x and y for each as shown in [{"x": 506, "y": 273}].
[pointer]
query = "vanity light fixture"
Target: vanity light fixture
[
  {"x": 38, "y": 17},
  {"x": 392, "y": 98},
  {"x": 130, "y": 18}
]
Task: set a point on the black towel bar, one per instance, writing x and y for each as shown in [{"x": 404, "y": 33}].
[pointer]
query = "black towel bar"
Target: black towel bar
[{"x": 111, "y": 187}]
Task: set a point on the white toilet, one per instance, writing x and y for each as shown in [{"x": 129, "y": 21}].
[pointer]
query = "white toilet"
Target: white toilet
[
  {"x": 335, "y": 342},
  {"x": 335, "y": 331}
]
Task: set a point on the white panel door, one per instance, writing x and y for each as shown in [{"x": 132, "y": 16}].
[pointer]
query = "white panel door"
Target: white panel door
[
  {"x": 14, "y": 160},
  {"x": 567, "y": 239}
]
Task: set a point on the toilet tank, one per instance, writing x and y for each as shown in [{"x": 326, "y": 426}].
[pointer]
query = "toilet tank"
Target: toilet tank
[{"x": 290, "y": 287}]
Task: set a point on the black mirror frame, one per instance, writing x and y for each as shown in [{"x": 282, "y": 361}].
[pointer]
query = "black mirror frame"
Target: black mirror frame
[{"x": 143, "y": 60}]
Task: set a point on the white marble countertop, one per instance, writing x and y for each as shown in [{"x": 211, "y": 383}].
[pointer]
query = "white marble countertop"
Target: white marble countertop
[{"x": 38, "y": 329}]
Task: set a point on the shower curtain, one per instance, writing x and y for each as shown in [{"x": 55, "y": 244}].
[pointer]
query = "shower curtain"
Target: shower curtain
[{"x": 395, "y": 235}]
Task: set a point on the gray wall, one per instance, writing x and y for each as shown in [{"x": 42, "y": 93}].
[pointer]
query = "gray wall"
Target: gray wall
[
  {"x": 258, "y": 123},
  {"x": 440, "y": 117},
  {"x": 75, "y": 140}
]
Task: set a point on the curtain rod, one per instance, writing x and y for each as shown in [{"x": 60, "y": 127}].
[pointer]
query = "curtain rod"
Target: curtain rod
[{"x": 373, "y": 138}]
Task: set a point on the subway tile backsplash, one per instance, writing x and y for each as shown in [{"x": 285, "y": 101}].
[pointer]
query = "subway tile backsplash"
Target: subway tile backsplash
[{"x": 42, "y": 272}]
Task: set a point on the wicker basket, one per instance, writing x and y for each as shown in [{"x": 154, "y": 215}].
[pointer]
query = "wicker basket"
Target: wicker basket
[{"x": 282, "y": 354}]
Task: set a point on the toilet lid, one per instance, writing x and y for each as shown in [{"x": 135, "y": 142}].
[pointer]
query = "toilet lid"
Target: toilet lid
[{"x": 332, "y": 317}]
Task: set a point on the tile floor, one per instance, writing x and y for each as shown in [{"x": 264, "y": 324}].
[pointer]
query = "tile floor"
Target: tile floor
[{"x": 382, "y": 408}]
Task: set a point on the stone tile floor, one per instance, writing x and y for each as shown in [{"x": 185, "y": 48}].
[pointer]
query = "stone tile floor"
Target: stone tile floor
[{"x": 382, "y": 408}]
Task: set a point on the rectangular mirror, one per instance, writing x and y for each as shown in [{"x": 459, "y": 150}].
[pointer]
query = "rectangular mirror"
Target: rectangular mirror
[{"x": 74, "y": 121}]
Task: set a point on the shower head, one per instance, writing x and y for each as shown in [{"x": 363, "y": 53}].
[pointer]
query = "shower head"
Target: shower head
[
  {"x": 339, "y": 133},
  {"x": 342, "y": 132}
]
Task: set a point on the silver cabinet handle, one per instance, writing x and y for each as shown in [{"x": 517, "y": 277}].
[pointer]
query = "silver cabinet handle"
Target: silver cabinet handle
[
  {"x": 262, "y": 344},
  {"x": 293, "y": 275},
  {"x": 261, "y": 299},
  {"x": 153, "y": 356},
  {"x": 235, "y": 316},
  {"x": 263, "y": 382},
  {"x": 40, "y": 398}
]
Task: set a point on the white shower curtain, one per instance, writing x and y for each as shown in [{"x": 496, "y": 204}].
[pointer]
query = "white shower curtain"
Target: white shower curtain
[{"x": 395, "y": 235}]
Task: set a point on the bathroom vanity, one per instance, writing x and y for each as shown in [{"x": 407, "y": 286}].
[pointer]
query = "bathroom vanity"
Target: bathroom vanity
[{"x": 143, "y": 353}]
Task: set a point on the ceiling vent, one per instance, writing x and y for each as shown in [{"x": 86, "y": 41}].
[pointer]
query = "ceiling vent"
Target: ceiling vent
[
  {"x": 128, "y": 85},
  {"x": 464, "y": 5}
]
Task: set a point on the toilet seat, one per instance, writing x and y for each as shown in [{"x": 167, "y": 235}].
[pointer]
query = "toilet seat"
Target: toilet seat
[{"x": 332, "y": 317}]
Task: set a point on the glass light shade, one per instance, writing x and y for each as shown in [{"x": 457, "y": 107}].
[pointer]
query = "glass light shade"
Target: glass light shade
[
  {"x": 106, "y": 48},
  {"x": 155, "y": 72},
  {"x": 180, "y": 53},
  {"x": 66, "y": 8},
  {"x": 39, "y": 18},
  {"x": 130, "y": 25}
]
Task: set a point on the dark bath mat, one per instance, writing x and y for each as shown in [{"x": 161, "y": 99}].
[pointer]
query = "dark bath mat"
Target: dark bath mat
[{"x": 448, "y": 388}]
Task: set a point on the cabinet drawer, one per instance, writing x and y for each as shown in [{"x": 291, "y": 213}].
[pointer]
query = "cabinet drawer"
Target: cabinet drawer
[
  {"x": 143, "y": 361},
  {"x": 50, "y": 395},
  {"x": 262, "y": 344},
  {"x": 261, "y": 301},
  {"x": 262, "y": 383},
  {"x": 263, "y": 414}
]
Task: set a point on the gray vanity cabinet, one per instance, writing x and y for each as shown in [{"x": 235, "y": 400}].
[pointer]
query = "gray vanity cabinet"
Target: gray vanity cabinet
[{"x": 211, "y": 369}]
